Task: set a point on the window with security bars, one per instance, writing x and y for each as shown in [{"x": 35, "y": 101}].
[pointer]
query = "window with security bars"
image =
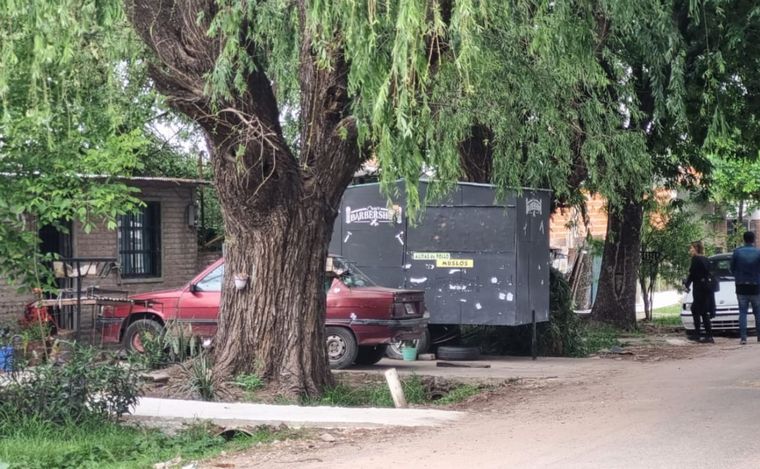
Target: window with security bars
[{"x": 140, "y": 242}]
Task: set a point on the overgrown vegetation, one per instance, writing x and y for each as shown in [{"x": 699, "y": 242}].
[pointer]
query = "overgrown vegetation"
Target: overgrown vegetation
[
  {"x": 65, "y": 416},
  {"x": 82, "y": 389},
  {"x": 416, "y": 390},
  {"x": 35, "y": 444},
  {"x": 199, "y": 380},
  {"x": 176, "y": 343}
]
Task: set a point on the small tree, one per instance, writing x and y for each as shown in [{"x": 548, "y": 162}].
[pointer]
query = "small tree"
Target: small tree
[{"x": 667, "y": 231}]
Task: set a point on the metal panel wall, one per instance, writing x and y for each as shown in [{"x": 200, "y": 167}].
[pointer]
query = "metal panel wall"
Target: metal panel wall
[{"x": 479, "y": 260}]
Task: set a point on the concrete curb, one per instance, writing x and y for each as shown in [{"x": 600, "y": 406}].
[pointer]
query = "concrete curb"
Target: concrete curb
[{"x": 237, "y": 413}]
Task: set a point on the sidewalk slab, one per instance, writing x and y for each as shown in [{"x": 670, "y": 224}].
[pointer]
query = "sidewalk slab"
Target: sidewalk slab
[{"x": 238, "y": 413}]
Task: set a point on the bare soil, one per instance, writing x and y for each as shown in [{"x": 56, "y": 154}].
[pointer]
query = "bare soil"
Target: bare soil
[{"x": 535, "y": 400}]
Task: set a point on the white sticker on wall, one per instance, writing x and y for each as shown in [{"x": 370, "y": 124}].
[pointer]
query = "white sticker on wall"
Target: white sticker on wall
[
  {"x": 510, "y": 297},
  {"x": 478, "y": 306},
  {"x": 418, "y": 279},
  {"x": 502, "y": 296},
  {"x": 494, "y": 280}
]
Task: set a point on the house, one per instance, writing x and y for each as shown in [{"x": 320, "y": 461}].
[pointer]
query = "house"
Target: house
[{"x": 152, "y": 248}]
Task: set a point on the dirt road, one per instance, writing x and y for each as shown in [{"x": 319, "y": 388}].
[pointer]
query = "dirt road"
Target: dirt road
[{"x": 702, "y": 412}]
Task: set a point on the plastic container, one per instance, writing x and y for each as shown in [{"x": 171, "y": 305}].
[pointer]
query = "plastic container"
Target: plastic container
[
  {"x": 409, "y": 353},
  {"x": 6, "y": 358}
]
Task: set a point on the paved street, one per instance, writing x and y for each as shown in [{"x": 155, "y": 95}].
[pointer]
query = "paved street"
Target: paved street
[{"x": 702, "y": 412}]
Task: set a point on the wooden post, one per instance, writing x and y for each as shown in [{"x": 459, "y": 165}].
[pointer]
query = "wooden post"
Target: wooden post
[{"x": 397, "y": 392}]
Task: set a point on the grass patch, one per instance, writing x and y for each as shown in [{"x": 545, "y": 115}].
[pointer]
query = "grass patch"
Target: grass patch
[
  {"x": 598, "y": 336},
  {"x": 249, "y": 382},
  {"x": 459, "y": 394},
  {"x": 378, "y": 395},
  {"x": 36, "y": 444},
  {"x": 668, "y": 316}
]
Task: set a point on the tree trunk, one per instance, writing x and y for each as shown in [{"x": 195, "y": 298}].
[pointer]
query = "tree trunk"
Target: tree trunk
[
  {"x": 275, "y": 326},
  {"x": 616, "y": 298},
  {"x": 279, "y": 207},
  {"x": 476, "y": 155},
  {"x": 646, "y": 296}
]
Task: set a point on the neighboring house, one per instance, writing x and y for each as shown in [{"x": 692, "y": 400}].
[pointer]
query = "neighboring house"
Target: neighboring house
[
  {"x": 155, "y": 247},
  {"x": 568, "y": 230}
]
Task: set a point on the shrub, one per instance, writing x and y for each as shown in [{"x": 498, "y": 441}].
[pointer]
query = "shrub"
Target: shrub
[
  {"x": 79, "y": 390},
  {"x": 199, "y": 380},
  {"x": 176, "y": 343},
  {"x": 249, "y": 382}
]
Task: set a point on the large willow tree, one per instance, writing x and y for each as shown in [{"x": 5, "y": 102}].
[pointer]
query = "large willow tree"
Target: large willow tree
[
  {"x": 404, "y": 81},
  {"x": 293, "y": 95}
]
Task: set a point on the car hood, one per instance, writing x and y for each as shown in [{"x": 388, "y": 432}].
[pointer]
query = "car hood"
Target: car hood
[
  {"x": 725, "y": 297},
  {"x": 157, "y": 295}
]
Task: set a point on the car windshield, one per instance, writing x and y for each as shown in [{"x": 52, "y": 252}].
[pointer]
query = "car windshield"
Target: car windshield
[
  {"x": 350, "y": 274},
  {"x": 721, "y": 268}
]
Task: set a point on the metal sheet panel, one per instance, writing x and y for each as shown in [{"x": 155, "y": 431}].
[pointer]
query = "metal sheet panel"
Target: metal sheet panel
[
  {"x": 463, "y": 229},
  {"x": 478, "y": 263},
  {"x": 372, "y": 234},
  {"x": 532, "y": 256}
]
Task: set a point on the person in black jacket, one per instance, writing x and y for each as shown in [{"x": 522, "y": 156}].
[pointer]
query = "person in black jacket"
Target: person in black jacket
[{"x": 703, "y": 299}]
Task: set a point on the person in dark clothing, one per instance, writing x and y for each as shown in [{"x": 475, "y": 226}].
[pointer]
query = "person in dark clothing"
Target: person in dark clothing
[
  {"x": 745, "y": 265},
  {"x": 703, "y": 299}
]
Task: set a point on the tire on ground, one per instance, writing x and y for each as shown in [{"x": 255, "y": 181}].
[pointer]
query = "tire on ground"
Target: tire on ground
[
  {"x": 423, "y": 345},
  {"x": 135, "y": 329},
  {"x": 457, "y": 353},
  {"x": 341, "y": 347},
  {"x": 369, "y": 355}
]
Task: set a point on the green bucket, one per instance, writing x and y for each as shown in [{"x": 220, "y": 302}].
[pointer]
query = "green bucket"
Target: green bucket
[{"x": 409, "y": 354}]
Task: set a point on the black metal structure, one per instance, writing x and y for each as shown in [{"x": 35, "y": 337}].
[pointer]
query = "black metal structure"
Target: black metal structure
[{"x": 480, "y": 260}]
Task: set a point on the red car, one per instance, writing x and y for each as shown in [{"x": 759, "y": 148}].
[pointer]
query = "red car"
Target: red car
[{"x": 361, "y": 317}]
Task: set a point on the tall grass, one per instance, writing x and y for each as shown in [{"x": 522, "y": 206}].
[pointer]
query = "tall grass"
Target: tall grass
[{"x": 97, "y": 444}]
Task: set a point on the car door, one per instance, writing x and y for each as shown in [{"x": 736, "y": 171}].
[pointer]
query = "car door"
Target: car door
[{"x": 199, "y": 303}]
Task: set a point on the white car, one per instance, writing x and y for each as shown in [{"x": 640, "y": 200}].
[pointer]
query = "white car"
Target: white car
[{"x": 726, "y": 306}]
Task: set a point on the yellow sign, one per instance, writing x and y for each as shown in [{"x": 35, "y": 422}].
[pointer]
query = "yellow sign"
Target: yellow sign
[
  {"x": 454, "y": 263},
  {"x": 430, "y": 256}
]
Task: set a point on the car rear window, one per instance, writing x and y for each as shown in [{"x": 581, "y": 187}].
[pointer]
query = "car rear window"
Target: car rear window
[{"x": 721, "y": 268}]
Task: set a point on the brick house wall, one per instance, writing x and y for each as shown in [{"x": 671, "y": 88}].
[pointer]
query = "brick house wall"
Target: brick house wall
[
  {"x": 568, "y": 230},
  {"x": 179, "y": 247}
]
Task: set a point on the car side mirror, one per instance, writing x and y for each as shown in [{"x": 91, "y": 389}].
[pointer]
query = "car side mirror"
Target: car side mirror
[{"x": 194, "y": 288}]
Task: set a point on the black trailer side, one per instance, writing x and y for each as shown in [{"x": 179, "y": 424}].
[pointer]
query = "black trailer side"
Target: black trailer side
[{"x": 480, "y": 260}]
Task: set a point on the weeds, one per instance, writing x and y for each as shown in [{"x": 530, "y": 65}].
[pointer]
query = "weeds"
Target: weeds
[
  {"x": 249, "y": 382},
  {"x": 597, "y": 336},
  {"x": 416, "y": 391},
  {"x": 176, "y": 343},
  {"x": 93, "y": 444},
  {"x": 79, "y": 390},
  {"x": 199, "y": 378},
  {"x": 460, "y": 394}
]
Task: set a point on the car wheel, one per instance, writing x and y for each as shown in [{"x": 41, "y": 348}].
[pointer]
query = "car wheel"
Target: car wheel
[
  {"x": 133, "y": 336},
  {"x": 341, "y": 347},
  {"x": 422, "y": 344},
  {"x": 457, "y": 353},
  {"x": 370, "y": 355}
]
